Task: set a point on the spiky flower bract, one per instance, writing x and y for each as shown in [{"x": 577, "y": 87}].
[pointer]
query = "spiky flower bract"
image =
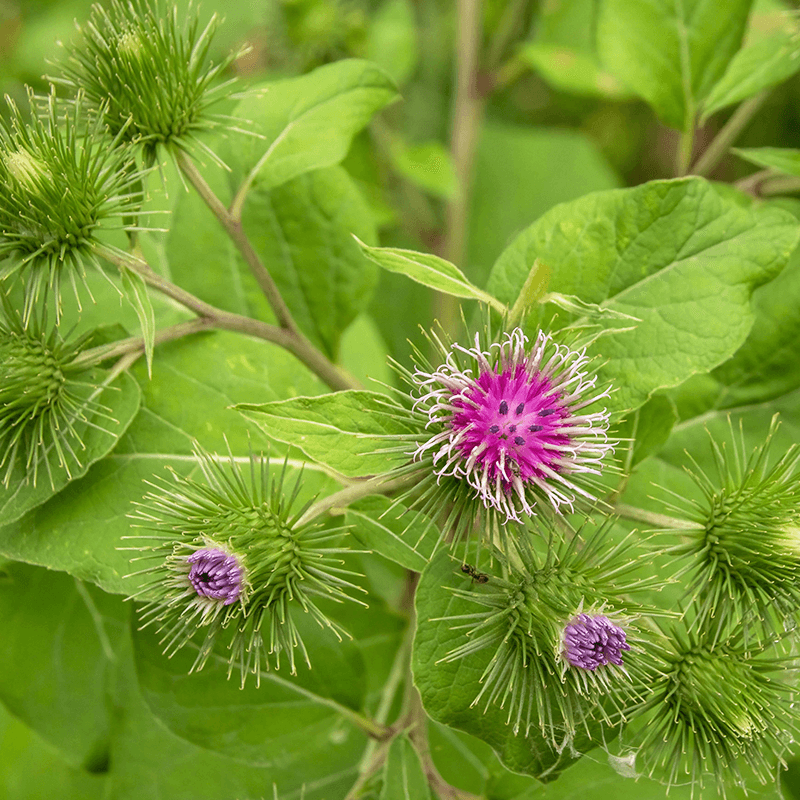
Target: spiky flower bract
[
  {"x": 46, "y": 398},
  {"x": 508, "y": 425},
  {"x": 61, "y": 184},
  {"x": 228, "y": 555},
  {"x": 721, "y": 702},
  {"x": 147, "y": 71},
  {"x": 743, "y": 558},
  {"x": 545, "y": 590}
]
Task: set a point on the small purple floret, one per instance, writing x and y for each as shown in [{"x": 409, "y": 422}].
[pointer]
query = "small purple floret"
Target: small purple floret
[
  {"x": 216, "y": 574},
  {"x": 592, "y": 641}
]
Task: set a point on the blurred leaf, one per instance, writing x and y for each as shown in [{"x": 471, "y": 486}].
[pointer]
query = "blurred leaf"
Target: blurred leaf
[
  {"x": 427, "y": 165},
  {"x": 391, "y": 530},
  {"x": 649, "y": 427},
  {"x": 55, "y": 657},
  {"x": 120, "y": 401},
  {"x": 392, "y": 39},
  {"x": 429, "y": 270},
  {"x": 195, "y": 381},
  {"x": 782, "y": 159},
  {"x": 403, "y": 777},
  {"x": 307, "y": 122},
  {"x": 521, "y": 172},
  {"x": 364, "y": 354},
  {"x": 671, "y": 54},
  {"x": 31, "y": 770},
  {"x": 571, "y": 70},
  {"x": 346, "y": 431},
  {"x": 758, "y": 66},
  {"x": 675, "y": 255}
]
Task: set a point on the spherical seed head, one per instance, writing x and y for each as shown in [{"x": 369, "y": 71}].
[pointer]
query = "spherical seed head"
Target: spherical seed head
[
  {"x": 216, "y": 574},
  {"x": 511, "y": 424},
  {"x": 146, "y": 69},
  {"x": 61, "y": 185},
  {"x": 593, "y": 641}
]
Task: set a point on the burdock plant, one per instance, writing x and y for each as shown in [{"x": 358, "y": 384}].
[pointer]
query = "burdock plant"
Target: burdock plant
[
  {"x": 229, "y": 554},
  {"x": 146, "y": 71},
  {"x": 63, "y": 184},
  {"x": 507, "y": 426}
]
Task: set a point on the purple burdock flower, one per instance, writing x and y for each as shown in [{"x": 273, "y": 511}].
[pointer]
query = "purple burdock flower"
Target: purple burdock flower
[
  {"x": 593, "y": 641},
  {"x": 215, "y": 574},
  {"x": 513, "y": 428}
]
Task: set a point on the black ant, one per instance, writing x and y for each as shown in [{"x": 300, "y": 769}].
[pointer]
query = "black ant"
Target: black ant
[{"x": 478, "y": 577}]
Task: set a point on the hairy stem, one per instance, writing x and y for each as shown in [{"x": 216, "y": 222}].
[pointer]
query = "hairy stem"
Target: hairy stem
[
  {"x": 658, "y": 520},
  {"x": 335, "y": 377},
  {"x": 467, "y": 113},
  {"x": 728, "y": 134}
]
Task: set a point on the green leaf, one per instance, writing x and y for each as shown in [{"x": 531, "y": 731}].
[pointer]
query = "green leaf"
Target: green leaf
[
  {"x": 390, "y": 529},
  {"x": 137, "y": 295},
  {"x": 403, "y": 776},
  {"x": 761, "y": 65},
  {"x": 307, "y": 122},
  {"x": 121, "y": 400},
  {"x": 392, "y": 39},
  {"x": 448, "y": 688},
  {"x": 429, "y": 270},
  {"x": 649, "y": 427},
  {"x": 363, "y": 353},
  {"x": 670, "y": 53},
  {"x": 258, "y": 724},
  {"x": 427, "y": 165},
  {"x": 520, "y": 173},
  {"x": 571, "y": 70},
  {"x": 674, "y": 254},
  {"x": 349, "y": 432},
  {"x": 55, "y": 657},
  {"x": 31, "y": 770},
  {"x": 301, "y": 231},
  {"x": 782, "y": 159},
  {"x": 195, "y": 381}
]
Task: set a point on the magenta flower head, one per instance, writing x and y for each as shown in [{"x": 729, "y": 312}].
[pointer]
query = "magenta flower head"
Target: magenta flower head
[
  {"x": 592, "y": 641},
  {"x": 511, "y": 422},
  {"x": 216, "y": 575}
]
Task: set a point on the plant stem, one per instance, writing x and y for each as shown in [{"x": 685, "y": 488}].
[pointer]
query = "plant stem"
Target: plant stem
[
  {"x": 780, "y": 184},
  {"x": 291, "y": 340},
  {"x": 135, "y": 344},
  {"x": 467, "y": 114},
  {"x": 338, "y": 501},
  {"x": 728, "y": 134},
  {"x": 684, "y": 155},
  {"x": 651, "y": 518}
]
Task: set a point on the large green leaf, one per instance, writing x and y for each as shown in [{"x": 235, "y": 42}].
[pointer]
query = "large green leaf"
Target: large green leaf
[
  {"x": 670, "y": 52},
  {"x": 120, "y": 400},
  {"x": 31, "y": 770},
  {"x": 55, "y": 658},
  {"x": 676, "y": 255},
  {"x": 267, "y": 725},
  {"x": 301, "y": 231},
  {"x": 306, "y": 122},
  {"x": 761, "y": 65},
  {"x": 448, "y": 688},
  {"x": 195, "y": 381},
  {"x": 392, "y": 39},
  {"x": 349, "y": 432},
  {"x": 783, "y": 159}
]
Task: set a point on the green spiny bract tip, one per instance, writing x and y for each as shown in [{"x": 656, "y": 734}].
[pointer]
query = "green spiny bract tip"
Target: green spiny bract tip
[
  {"x": 543, "y": 589},
  {"x": 61, "y": 185},
  {"x": 148, "y": 73},
  {"x": 721, "y": 701},
  {"x": 46, "y": 397},
  {"x": 282, "y": 567},
  {"x": 744, "y": 562}
]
